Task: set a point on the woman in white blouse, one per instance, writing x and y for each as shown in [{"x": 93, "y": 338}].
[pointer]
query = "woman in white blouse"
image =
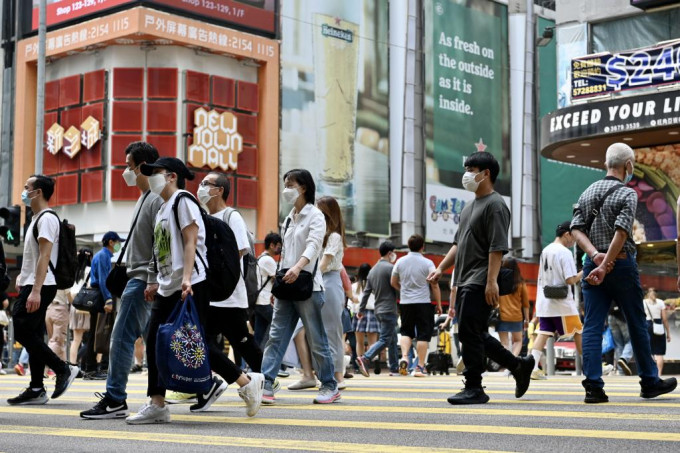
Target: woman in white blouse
[
  {"x": 330, "y": 266},
  {"x": 655, "y": 311}
]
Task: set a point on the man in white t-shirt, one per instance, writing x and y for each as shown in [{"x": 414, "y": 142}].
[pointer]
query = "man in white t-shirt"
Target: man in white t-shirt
[
  {"x": 409, "y": 277},
  {"x": 557, "y": 315},
  {"x": 267, "y": 270},
  {"x": 37, "y": 289}
]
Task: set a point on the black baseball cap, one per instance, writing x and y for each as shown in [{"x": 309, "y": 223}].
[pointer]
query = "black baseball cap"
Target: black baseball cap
[
  {"x": 564, "y": 227},
  {"x": 386, "y": 247},
  {"x": 172, "y": 164}
]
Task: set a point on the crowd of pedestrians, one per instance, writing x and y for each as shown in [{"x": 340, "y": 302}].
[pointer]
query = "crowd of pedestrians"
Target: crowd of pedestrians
[{"x": 166, "y": 260}]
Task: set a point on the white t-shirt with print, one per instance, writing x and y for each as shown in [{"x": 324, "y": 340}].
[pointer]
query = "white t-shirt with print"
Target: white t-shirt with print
[
  {"x": 48, "y": 228},
  {"x": 655, "y": 307},
  {"x": 555, "y": 267},
  {"x": 169, "y": 246},
  {"x": 239, "y": 298},
  {"x": 335, "y": 248},
  {"x": 266, "y": 266}
]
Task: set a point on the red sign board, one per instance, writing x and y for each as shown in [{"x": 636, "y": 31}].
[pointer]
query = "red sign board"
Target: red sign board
[{"x": 259, "y": 15}]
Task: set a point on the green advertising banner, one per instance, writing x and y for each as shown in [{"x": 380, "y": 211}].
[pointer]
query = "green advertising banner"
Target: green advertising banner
[{"x": 467, "y": 98}]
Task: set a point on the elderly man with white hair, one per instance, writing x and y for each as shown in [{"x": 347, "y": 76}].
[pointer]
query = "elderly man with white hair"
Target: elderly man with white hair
[{"x": 603, "y": 227}]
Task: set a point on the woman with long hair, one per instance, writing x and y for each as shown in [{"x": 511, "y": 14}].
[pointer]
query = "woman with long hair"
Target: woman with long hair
[
  {"x": 514, "y": 311},
  {"x": 330, "y": 266},
  {"x": 367, "y": 326},
  {"x": 79, "y": 321},
  {"x": 655, "y": 312}
]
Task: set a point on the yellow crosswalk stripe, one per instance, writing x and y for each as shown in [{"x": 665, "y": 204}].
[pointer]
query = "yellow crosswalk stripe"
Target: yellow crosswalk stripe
[
  {"x": 397, "y": 426},
  {"x": 222, "y": 441}
]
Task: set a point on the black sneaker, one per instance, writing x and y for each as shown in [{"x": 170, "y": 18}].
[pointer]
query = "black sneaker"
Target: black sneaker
[
  {"x": 469, "y": 396},
  {"x": 594, "y": 395},
  {"x": 106, "y": 408},
  {"x": 95, "y": 376},
  {"x": 623, "y": 363},
  {"x": 376, "y": 367},
  {"x": 136, "y": 369},
  {"x": 29, "y": 397},
  {"x": 64, "y": 380},
  {"x": 522, "y": 375},
  {"x": 661, "y": 387},
  {"x": 205, "y": 400}
]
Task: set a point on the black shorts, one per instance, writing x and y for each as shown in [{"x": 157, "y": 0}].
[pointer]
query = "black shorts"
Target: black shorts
[{"x": 417, "y": 321}]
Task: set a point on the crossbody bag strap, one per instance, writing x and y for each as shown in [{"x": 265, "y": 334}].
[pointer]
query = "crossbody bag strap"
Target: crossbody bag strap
[
  {"x": 596, "y": 211},
  {"x": 132, "y": 228},
  {"x": 175, "y": 208},
  {"x": 649, "y": 312},
  {"x": 268, "y": 277},
  {"x": 283, "y": 244}
]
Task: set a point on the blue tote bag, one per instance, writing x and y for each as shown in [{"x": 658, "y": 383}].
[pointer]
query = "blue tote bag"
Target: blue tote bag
[{"x": 182, "y": 351}]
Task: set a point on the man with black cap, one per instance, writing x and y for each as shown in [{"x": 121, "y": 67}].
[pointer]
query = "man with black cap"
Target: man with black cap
[
  {"x": 556, "y": 307},
  {"x": 101, "y": 266},
  {"x": 378, "y": 283}
]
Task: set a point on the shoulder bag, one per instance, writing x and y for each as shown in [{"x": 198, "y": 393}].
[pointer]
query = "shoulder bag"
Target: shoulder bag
[
  {"x": 657, "y": 328},
  {"x": 89, "y": 299},
  {"x": 117, "y": 278},
  {"x": 301, "y": 288}
]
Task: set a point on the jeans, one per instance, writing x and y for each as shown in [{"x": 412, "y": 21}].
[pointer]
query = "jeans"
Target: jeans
[
  {"x": 473, "y": 330},
  {"x": 131, "y": 320},
  {"x": 29, "y": 330},
  {"x": 286, "y": 315},
  {"x": 622, "y": 285},
  {"x": 624, "y": 349},
  {"x": 263, "y": 319},
  {"x": 387, "y": 339},
  {"x": 331, "y": 312}
]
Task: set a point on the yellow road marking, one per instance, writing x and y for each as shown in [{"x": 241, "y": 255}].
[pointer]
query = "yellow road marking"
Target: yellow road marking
[
  {"x": 396, "y": 426},
  {"x": 260, "y": 444}
]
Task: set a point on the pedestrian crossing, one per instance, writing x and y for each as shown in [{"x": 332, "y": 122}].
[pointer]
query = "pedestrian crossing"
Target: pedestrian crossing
[{"x": 375, "y": 414}]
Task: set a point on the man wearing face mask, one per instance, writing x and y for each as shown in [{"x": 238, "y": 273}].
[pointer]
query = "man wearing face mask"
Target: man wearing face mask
[
  {"x": 378, "y": 283},
  {"x": 37, "y": 288},
  {"x": 603, "y": 228},
  {"x": 478, "y": 248},
  {"x": 133, "y": 311}
]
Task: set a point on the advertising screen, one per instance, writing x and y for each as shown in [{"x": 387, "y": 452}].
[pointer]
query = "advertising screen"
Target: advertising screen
[{"x": 256, "y": 15}]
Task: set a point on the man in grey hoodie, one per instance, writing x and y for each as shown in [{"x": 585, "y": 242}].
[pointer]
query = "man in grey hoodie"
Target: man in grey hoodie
[
  {"x": 378, "y": 283},
  {"x": 133, "y": 311}
]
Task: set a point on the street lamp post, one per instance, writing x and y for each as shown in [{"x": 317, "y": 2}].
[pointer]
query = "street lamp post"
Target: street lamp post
[{"x": 40, "y": 98}]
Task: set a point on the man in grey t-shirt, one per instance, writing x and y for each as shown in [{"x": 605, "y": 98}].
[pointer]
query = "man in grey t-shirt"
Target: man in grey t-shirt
[{"x": 478, "y": 247}]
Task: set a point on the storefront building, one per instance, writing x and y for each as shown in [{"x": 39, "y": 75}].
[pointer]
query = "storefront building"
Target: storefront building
[{"x": 195, "y": 87}]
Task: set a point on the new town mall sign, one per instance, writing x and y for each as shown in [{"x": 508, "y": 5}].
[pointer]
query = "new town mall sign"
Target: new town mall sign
[
  {"x": 74, "y": 139},
  {"x": 217, "y": 142}
]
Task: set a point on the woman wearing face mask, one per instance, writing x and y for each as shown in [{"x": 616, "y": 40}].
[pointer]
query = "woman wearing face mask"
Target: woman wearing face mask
[
  {"x": 303, "y": 236},
  {"x": 179, "y": 255}
]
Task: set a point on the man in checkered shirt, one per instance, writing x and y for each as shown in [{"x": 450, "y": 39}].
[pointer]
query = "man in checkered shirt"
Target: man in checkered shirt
[{"x": 610, "y": 273}]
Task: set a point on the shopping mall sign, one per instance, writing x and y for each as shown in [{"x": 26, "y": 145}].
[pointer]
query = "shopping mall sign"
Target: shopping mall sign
[
  {"x": 73, "y": 139},
  {"x": 604, "y": 73},
  {"x": 217, "y": 142}
]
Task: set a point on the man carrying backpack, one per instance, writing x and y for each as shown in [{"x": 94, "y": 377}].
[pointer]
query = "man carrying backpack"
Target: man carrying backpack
[
  {"x": 230, "y": 317},
  {"x": 38, "y": 286}
]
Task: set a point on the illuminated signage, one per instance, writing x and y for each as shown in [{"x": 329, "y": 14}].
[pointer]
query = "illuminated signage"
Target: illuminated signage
[
  {"x": 257, "y": 15},
  {"x": 73, "y": 140},
  {"x": 217, "y": 142}
]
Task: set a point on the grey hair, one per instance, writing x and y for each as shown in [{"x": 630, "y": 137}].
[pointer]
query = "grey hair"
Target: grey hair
[{"x": 618, "y": 154}]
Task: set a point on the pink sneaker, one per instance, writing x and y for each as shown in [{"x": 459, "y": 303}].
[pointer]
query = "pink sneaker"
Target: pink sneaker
[{"x": 19, "y": 369}]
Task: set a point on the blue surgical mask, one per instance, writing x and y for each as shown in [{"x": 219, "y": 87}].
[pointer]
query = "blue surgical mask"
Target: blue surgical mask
[
  {"x": 628, "y": 176},
  {"x": 25, "y": 198}
]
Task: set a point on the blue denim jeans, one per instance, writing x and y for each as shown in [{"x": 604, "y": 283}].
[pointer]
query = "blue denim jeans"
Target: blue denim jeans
[
  {"x": 622, "y": 285},
  {"x": 388, "y": 339},
  {"x": 263, "y": 319},
  {"x": 131, "y": 322},
  {"x": 623, "y": 349},
  {"x": 286, "y": 315}
]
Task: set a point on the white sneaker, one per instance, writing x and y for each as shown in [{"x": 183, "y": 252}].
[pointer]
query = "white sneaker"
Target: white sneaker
[
  {"x": 252, "y": 393},
  {"x": 149, "y": 414}
]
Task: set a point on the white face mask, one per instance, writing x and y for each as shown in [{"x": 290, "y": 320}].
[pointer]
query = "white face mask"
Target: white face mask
[
  {"x": 130, "y": 177},
  {"x": 393, "y": 257},
  {"x": 204, "y": 194},
  {"x": 469, "y": 182},
  {"x": 290, "y": 194},
  {"x": 157, "y": 183}
]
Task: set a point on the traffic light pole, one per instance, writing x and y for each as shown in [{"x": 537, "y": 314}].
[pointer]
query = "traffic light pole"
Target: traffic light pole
[{"x": 40, "y": 107}]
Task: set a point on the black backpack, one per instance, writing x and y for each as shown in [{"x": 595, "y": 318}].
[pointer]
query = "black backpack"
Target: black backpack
[
  {"x": 223, "y": 268},
  {"x": 67, "y": 256},
  {"x": 250, "y": 268}
]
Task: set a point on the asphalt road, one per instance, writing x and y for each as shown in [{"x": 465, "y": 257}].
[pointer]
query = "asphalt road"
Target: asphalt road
[{"x": 375, "y": 414}]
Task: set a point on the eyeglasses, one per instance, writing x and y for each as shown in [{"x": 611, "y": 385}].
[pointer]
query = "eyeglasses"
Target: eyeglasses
[{"x": 207, "y": 183}]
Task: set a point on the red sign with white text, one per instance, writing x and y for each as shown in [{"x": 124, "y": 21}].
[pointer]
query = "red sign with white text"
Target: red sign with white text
[{"x": 254, "y": 14}]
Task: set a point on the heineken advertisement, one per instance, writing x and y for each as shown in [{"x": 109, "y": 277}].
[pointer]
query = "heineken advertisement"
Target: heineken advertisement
[{"x": 467, "y": 102}]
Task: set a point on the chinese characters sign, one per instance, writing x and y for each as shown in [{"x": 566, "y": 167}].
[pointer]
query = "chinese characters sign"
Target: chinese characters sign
[
  {"x": 605, "y": 73},
  {"x": 73, "y": 139},
  {"x": 217, "y": 142}
]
